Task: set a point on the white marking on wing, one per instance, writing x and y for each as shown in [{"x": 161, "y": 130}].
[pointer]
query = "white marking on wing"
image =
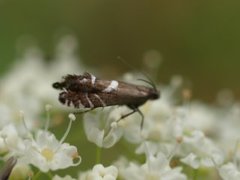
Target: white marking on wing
[
  {"x": 80, "y": 104},
  {"x": 83, "y": 80},
  {"x": 71, "y": 104},
  {"x": 89, "y": 101},
  {"x": 93, "y": 79},
  {"x": 112, "y": 86},
  {"x": 103, "y": 103}
]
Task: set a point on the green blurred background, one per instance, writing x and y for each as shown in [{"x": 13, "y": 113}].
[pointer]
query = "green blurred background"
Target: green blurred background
[{"x": 199, "y": 40}]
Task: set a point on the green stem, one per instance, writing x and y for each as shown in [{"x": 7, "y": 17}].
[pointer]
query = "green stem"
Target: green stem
[
  {"x": 49, "y": 174},
  {"x": 98, "y": 154},
  {"x": 195, "y": 174},
  {"x": 36, "y": 176}
]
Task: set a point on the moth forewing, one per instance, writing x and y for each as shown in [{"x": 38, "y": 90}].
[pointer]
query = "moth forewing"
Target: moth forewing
[
  {"x": 87, "y": 91},
  {"x": 137, "y": 91},
  {"x": 125, "y": 94},
  {"x": 82, "y": 83}
]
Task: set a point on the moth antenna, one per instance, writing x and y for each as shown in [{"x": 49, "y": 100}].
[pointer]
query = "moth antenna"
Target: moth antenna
[
  {"x": 126, "y": 64},
  {"x": 150, "y": 81}
]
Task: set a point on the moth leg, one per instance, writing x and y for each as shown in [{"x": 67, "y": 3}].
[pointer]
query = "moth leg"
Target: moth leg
[
  {"x": 142, "y": 116},
  {"x": 132, "y": 112},
  {"x": 126, "y": 115}
]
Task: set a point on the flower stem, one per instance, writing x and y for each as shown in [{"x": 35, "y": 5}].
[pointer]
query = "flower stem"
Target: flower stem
[
  {"x": 195, "y": 174},
  {"x": 98, "y": 154},
  {"x": 49, "y": 174},
  {"x": 67, "y": 132},
  {"x": 36, "y": 176}
]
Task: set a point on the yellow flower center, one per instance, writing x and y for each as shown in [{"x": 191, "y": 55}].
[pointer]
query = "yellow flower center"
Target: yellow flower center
[
  {"x": 48, "y": 154},
  {"x": 152, "y": 176}
]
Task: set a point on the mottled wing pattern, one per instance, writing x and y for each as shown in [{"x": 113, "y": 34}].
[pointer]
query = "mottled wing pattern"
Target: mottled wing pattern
[
  {"x": 86, "y": 91},
  {"x": 85, "y": 83},
  {"x": 81, "y": 100}
]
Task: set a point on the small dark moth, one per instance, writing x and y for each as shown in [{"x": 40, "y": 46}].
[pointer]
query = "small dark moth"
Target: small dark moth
[{"x": 87, "y": 91}]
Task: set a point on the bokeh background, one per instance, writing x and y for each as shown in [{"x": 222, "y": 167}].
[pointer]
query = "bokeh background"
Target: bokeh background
[{"x": 199, "y": 40}]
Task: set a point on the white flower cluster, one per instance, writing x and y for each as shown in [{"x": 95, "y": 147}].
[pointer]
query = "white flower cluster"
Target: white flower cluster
[
  {"x": 26, "y": 88},
  {"x": 198, "y": 135},
  {"x": 180, "y": 139},
  {"x": 43, "y": 150}
]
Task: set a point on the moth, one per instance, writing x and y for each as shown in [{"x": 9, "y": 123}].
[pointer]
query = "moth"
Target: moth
[{"x": 87, "y": 91}]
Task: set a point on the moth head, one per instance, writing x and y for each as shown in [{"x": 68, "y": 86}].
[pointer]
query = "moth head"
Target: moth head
[
  {"x": 154, "y": 94},
  {"x": 69, "y": 82},
  {"x": 58, "y": 85}
]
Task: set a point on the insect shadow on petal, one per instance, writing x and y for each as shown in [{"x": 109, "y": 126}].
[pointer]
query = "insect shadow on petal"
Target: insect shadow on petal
[{"x": 87, "y": 91}]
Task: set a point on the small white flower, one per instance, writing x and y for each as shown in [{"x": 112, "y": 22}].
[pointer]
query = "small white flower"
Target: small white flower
[
  {"x": 100, "y": 130},
  {"x": 200, "y": 151},
  {"x": 72, "y": 116},
  {"x": 48, "y": 107},
  {"x": 148, "y": 147},
  {"x": 156, "y": 167},
  {"x": 10, "y": 139},
  {"x": 192, "y": 160},
  {"x": 229, "y": 171},
  {"x": 201, "y": 116},
  {"x": 47, "y": 153},
  {"x": 99, "y": 172}
]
